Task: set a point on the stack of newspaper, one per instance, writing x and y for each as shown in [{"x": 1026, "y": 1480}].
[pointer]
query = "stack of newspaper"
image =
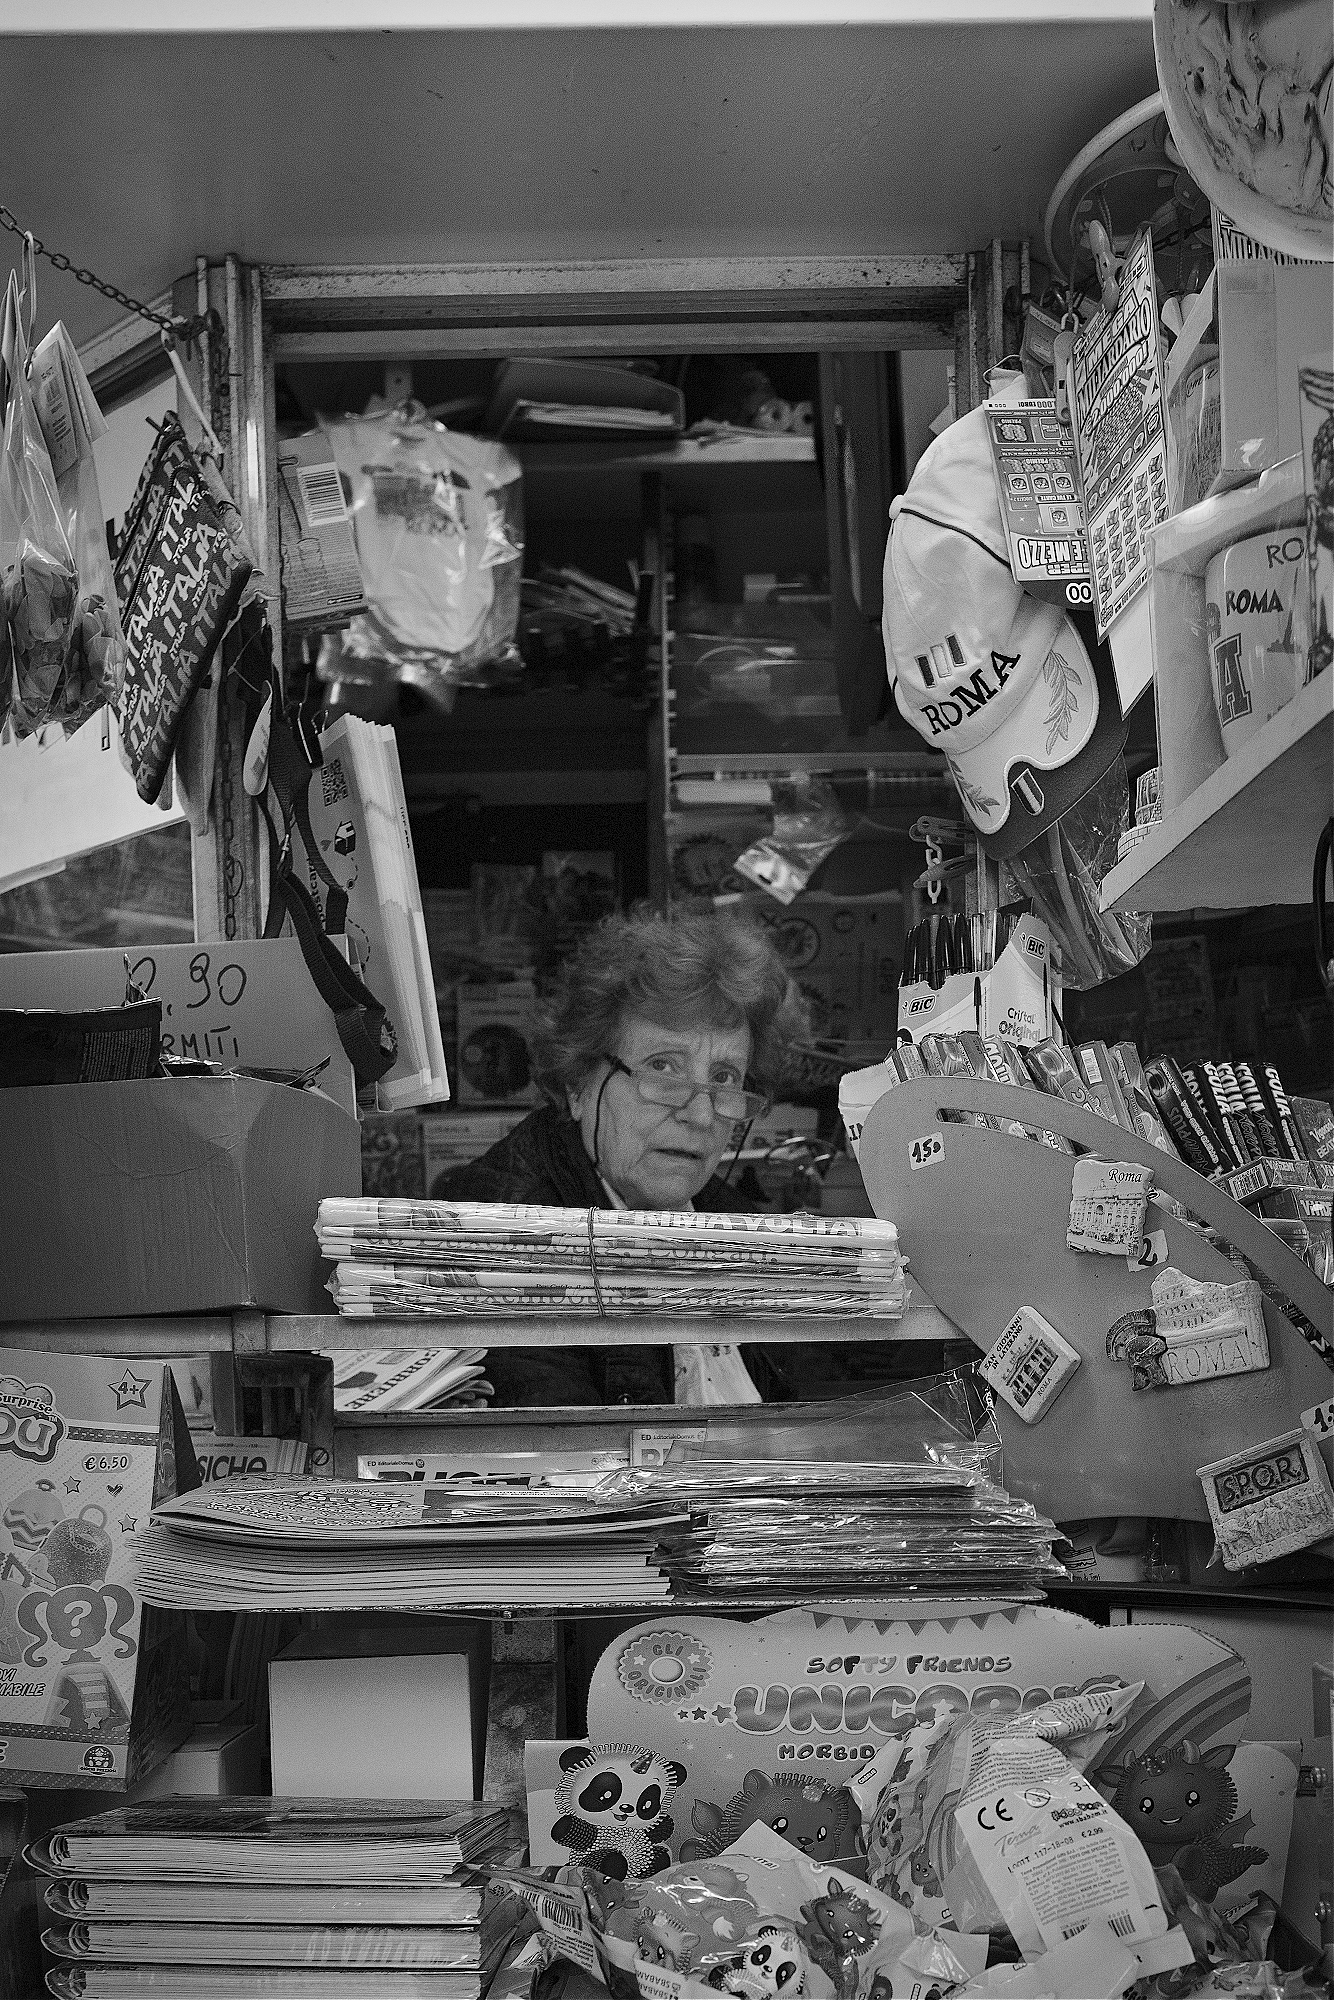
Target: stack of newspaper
[
  {"x": 381, "y": 1381},
  {"x": 268, "y": 1544},
  {"x": 431, "y": 1259},
  {"x": 319, "y": 1899}
]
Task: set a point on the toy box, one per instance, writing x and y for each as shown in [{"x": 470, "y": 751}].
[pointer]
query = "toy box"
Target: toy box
[
  {"x": 773, "y": 1720},
  {"x": 93, "y": 1687}
]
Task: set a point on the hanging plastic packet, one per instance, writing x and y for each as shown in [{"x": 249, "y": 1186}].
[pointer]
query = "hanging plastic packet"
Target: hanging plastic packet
[
  {"x": 809, "y": 823},
  {"x": 438, "y": 520},
  {"x": 64, "y": 634},
  {"x": 1062, "y": 873}
]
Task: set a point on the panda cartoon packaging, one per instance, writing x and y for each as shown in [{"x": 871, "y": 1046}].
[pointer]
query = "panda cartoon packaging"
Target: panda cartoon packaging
[{"x": 606, "y": 1806}]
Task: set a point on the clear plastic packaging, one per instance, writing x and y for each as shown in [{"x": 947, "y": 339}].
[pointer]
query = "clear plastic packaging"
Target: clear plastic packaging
[
  {"x": 438, "y": 518},
  {"x": 1062, "y": 873},
  {"x": 809, "y": 823},
  {"x": 60, "y": 610}
]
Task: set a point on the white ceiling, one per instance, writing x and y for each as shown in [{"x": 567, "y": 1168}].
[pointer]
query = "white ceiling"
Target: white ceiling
[{"x": 132, "y": 153}]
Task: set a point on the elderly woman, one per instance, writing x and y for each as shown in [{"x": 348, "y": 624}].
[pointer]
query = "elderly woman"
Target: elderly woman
[{"x": 666, "y": 1035}]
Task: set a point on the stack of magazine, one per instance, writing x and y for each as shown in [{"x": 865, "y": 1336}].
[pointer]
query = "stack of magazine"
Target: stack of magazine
[
  {"x": 863, "y": 1497},
  {"x": 268, "y": 1544},
  {"x": 319, "y": 1899},
  {"x": 434, "y": 1259},
  {"x": 814, "y": 1530}
]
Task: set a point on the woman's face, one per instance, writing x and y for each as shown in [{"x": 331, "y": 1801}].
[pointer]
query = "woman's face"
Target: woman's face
[{"x": 653, "y": 1156}]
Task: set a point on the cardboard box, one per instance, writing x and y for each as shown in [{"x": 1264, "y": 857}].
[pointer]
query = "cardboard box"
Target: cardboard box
[
  {"x": 221, "y": 1758},
  {"x": 495, "y": 1033},
  {"x": 251, "y": 1001},
  {"x": 1012, "y": 1001},
  {"x": 381, "y": 1712},
  {"x": 191, "y": 1195},
  {"x": 1232, "y": 382},
  {"x": 94, "y": 1688}
]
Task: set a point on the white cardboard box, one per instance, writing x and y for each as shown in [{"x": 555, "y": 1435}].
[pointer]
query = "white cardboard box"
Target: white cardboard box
[
  {"x": 219, "y": 1759},
  {"x": 378, "y": 1714}
]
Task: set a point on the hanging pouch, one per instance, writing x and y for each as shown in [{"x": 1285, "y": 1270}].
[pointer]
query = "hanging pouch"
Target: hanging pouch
[
  {"x": 281, "y": 773},
  {"x": 180, "y": 578}
]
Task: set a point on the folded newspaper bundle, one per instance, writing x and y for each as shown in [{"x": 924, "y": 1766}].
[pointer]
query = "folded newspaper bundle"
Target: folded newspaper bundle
[
  {"x": 381, "y": 1381},
  {"x": 321, "y": 1899},
  {"x": 431, "y": 1259}
]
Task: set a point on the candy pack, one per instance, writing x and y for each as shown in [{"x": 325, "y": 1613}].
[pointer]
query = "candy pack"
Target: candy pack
[{"x": 93, "y": 1687}]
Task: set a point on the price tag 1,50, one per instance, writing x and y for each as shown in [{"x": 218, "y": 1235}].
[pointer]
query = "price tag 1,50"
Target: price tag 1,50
[
  {"x": 923, "y": 1151},
  {"x": 1320, "y": 1419}
]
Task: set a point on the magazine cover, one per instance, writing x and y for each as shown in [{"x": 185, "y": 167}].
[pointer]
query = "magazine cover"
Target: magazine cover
[{"x": 93, "y": 1688}]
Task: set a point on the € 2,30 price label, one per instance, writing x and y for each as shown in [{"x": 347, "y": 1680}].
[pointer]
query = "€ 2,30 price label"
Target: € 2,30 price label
[
  {"x": 923, "y": 1151},
  {"x": 1320, "y": 1419}
]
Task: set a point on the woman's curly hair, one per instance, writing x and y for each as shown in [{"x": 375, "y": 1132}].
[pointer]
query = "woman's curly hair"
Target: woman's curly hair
[{"x": 710, "y": 968}]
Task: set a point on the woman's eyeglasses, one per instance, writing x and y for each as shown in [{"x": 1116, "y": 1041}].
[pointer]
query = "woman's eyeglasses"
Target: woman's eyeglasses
[{"x": 667, "y": 1080}]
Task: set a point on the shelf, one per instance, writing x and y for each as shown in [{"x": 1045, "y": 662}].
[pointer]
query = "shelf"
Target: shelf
[
  {"x": 1245, "y": 838},
  {"x": 682, "y": 457},
  {"x": 305, "y": 1333}
]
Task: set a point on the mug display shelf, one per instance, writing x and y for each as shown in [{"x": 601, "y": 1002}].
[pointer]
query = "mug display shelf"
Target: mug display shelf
[{"x": 1245, "y": 838}]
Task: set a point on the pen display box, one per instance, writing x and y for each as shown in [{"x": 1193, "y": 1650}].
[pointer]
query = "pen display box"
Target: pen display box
[{"x": 1012, "y": 1000}]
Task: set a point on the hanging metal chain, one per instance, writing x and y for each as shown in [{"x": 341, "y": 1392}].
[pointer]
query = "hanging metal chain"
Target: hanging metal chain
[{"x": 184, "y": 329}]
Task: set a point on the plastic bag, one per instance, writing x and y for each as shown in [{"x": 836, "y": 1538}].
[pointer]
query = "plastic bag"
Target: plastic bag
[
  {"x": 1062, "y": 871},
  {"x": 438, "y": 518},
  {"x": 61, "y": 614},
  {"x": 930, "y": 1850},
  {"x": 761, "y": 1920},
  {"x": 809, "y": 823}
]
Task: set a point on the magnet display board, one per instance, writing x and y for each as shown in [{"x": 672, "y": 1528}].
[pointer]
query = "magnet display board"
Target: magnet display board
[{"x": 982, "y": 1217}]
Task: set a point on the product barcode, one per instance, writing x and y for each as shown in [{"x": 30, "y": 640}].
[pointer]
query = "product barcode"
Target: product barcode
[
  {"x": 321, "y": 495},
  {"x": 1073, "y": 1930},
  {"x": 1122, "y": 1923},
  {"x": 333, "y": 785}
]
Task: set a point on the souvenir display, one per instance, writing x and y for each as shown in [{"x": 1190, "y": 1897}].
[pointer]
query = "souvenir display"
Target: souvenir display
[{"x": 739, "y": 883}]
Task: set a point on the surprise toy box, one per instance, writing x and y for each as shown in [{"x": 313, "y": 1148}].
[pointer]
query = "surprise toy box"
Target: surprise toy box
[
  {"x": 93, "y": 1687},
  {"x": 725, "y": 1726}
]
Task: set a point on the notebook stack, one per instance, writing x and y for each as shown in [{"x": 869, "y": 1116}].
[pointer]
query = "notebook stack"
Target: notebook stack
[{"x": 319, "y": 1899}]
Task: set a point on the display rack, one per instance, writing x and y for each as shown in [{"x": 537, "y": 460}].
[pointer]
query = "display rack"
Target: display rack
[
  {"x": 982, "y": 1218},
  {"x": 1245, "y": 837}
]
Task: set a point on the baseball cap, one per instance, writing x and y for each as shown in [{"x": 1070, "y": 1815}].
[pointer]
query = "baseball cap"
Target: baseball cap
[{"x": 1015, "y": 691}]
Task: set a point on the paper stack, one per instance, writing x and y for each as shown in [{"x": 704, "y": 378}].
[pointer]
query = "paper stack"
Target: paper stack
[
  {"x": 322, "y": 1899},
  {"x": 359, "y": 824},
  {"x": 449, "y": 1259},
  {"x": 267, "y": 1544},
  {"x": 375, "y": 1381}
]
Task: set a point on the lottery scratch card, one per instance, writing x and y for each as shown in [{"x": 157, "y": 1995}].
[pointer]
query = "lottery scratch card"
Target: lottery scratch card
[
  {"x": 93, "y": 1688},
  {"x": 1033, "y": 459},
  {"x": 1121, "y": 437}
]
